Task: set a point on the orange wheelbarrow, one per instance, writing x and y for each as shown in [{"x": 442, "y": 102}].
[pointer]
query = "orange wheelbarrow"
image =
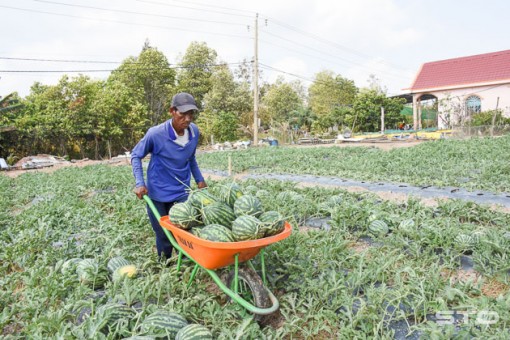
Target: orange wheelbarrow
[{"x": 243, "y": 285}]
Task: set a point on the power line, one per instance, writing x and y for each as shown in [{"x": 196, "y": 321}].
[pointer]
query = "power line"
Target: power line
[
  {"x": 124, "y": 22},
  {"x": 138, "y": 13},
  {"x": 62, "y": 60},
  {"x": 119, "y": 70},
  {"x": 213, "y": 6},
  {"x": 333, "y": 56},
  {"x": 193, "y": 8},
  {"x": 328, "y": 42}
]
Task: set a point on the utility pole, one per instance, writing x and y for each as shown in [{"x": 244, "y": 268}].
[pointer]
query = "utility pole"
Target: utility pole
[
  {"x": 382, "y": 119},
  {"x": 256, "y": 85}
]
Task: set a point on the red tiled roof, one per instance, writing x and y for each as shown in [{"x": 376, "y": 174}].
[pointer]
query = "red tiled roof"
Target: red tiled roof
[{"x": 479, "y": 68}]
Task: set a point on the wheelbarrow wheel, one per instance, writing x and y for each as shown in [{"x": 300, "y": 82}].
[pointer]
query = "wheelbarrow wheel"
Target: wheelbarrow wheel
[{"x": 251, "y": 288}]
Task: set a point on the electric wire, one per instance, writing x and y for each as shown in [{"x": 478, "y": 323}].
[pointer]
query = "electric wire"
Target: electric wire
[
  {"x": 193, "y": 8},
  {"x": 125, "y": 22},
  {"x": 138, "y": 13}
]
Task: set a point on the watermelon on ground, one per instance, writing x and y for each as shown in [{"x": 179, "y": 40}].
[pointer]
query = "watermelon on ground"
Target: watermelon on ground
[
  {"x": 378, "y": 228},
  {"x": 194, "y": 332},
  {"x": 116, "y": 262},
  {"x": 110, "y": 314},
  {"x": 162, "y": 323}
]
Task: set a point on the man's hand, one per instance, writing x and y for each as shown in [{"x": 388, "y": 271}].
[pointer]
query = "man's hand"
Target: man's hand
[
  {"x": 140, "y": 192},
  {"x": 202, "y": 185}
]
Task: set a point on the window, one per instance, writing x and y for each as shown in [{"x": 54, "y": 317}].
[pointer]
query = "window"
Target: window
[{"x": 473, "y": 104}]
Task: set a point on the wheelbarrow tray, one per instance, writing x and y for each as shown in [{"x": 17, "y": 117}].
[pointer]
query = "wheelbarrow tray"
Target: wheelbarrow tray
[{"x": 213, "y": 255}]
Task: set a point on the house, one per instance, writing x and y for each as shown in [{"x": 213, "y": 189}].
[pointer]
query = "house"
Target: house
[{"x": 459, "y": 87}]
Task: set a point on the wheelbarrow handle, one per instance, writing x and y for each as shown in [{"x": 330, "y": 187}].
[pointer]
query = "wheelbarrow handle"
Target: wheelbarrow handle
[{"x": 152, "y": 207}]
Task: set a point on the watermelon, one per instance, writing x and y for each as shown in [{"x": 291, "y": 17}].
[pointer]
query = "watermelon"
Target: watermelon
[
  {"x": 116, "y": 262},
  {"x": 247, "y": 227},
  {"x": 194, "y": 332},
  {"x": 69, "y": 265},
  {"x": 262, "y": 194},
  {"x": 89, "y": 273},
  {"x": 406, "y": 226},
  {"x": 162, "y": 323},
  {"x": 196, "y": 231},
  {"x": 251, "y": 189},
  {"x": 216, "y": 233},
  {"x": 184, "y": 215},
  {"x": 464, "y": 241},
  {"x": 272, "y": 223},
  {"x": 378, "y": 228},
  {"x": 110, "y": 314},
  {"x": 289, "y": 195},
  {"x": 201, "y": 198},
  {"x": 229, "y": 193},
  {"x": 218, "y": 213},
  {"x": 328, "y": 205},
  {"x": 248, "y": 205},
  {"x": 130, "y": 271}
]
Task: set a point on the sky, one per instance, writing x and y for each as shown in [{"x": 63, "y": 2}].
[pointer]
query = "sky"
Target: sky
[{"x": 389, "y": 39}]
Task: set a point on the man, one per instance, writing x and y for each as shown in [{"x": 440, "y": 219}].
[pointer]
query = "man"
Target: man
[{"x": 172, "y": 146}]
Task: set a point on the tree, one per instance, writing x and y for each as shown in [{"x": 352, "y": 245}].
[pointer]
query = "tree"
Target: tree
[
  {"x": 198, "y": 65},
  {"x": 150, "y": 81},
  {"x": 330, "y": 91},
  {"x": 367, "y": 110},
  {"x": 226, "y": 97},
  {"x": 280, "y": 101}
]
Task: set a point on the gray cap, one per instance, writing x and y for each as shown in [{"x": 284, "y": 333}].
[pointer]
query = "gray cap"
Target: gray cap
[{"x": 184, "y": 102}]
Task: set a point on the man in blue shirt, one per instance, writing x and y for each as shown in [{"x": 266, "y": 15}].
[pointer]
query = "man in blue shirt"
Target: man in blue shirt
[{"x": 172, "y": 146}]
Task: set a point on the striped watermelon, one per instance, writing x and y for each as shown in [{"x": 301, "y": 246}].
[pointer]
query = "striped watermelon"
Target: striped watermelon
[
  {"x": 201, "y": 198},
  {"x": 184, "y": 215},
  {"x": 162, "y": 323},
  {"x": 229, "y": 193},
  {"x": 378, "y": 228},
  {"x": 196, "y": 231},
  {"x": 218, "y": 213},
  {"x": 69, "y": 265},
  {"x": 216, "y": 233},
  {"x": 406, "y": 226},
  {"x": 272, "y": 223},
  {"x": 89, "y": 273},
  {"x": 464, "y": 241},
  {"x": 248, "y": 205},
  {"x": 194, "y": 332},
  {"x": 247, "y": 227},
  {"x": 289, "y": 195},
  {"x": 111, "y": 314},
  {"x": 116, "y": 262},
  {"x": 250, "y": 189},
  {"x": 262, "y": 193}
]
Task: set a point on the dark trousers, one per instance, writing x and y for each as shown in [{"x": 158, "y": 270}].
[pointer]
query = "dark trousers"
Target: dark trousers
[{"x": 162, "y": 242}]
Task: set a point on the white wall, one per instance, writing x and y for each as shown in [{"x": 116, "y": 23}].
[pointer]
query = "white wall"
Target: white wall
[{"x": 451, "y": 102}]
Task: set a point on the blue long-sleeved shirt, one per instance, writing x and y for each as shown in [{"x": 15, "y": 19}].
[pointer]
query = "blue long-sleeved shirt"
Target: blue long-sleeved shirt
[{"x": 171, "y": 165}]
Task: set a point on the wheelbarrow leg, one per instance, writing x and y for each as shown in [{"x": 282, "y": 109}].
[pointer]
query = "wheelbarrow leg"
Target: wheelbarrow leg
[
  {"x": 179, "y": 261},
  {"x": 193, "y": 273}
]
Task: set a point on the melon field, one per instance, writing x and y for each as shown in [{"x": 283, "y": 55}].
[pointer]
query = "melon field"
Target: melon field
[{"x": 355, "y": 266}]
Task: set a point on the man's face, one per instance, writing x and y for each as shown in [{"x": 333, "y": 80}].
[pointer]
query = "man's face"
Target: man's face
[{"x": 181, "y": 120}]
